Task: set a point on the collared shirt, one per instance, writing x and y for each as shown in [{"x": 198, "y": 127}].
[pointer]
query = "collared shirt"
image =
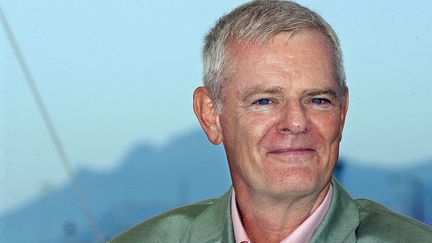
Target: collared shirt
[{"x": 302, "y": 233}]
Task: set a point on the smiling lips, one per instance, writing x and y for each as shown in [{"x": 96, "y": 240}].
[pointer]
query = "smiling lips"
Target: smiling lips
[{"x": 292, "y": 151}]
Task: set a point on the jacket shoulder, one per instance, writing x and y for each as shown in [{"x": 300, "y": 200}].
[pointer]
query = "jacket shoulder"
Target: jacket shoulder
[
  {"x": 379, "y": 224},
  {"x": 166, "y": 227}
]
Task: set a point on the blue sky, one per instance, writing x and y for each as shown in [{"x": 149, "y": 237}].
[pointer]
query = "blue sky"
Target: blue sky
[{"x": 114, "y": 74}]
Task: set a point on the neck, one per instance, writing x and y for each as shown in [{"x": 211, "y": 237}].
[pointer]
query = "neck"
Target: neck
[{"x": 268, "y": 219}]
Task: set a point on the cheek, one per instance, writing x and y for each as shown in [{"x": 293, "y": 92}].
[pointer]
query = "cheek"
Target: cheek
[
  {"x": 256, "y": 127},
  {"x": 244, "y": 135},
  {"x": 329, "y": 127},
  {"x": 327, "y": 132}
]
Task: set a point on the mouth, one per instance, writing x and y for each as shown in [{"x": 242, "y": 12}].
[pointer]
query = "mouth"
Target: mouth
[{"x": 292, "y": 151}]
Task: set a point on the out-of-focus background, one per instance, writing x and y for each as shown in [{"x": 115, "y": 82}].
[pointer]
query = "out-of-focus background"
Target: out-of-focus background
[{"x": 117, "y": 79}]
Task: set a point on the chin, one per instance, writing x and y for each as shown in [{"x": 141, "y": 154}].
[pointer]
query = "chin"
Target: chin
[{"x": 298, "y": 181}]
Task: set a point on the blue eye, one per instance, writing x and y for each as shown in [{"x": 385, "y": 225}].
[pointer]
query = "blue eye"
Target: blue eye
[
  {"x": 320, "y": 101},
  {"x": 262, "y": 102}
]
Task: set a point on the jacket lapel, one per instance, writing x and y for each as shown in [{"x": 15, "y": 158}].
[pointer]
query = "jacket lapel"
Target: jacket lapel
[
  {"x": 341, "y": 220},
  {"x": 214, "y": 224}
]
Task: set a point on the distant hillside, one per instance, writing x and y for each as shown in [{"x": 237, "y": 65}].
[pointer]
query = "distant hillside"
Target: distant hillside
[
  {"x": 406, "y": 190},
  {"x": 187, "y": 169}
]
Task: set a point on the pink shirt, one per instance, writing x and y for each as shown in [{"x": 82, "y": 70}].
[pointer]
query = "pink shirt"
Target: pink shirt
[{"x": 304, "y": 231}]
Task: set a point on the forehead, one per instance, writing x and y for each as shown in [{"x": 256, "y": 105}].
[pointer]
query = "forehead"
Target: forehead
[
  {"x": 301, "y": 45},
  {"x": 306, "y": 53}
]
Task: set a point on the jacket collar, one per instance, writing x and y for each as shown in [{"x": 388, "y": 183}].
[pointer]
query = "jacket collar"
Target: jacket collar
[{"x": 215, "y": 223}]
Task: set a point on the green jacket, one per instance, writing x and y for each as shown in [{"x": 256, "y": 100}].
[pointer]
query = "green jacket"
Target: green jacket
[{"x": 347, "y": 220}]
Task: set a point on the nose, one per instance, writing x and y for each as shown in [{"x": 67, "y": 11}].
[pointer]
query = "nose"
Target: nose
[{"x": 293, "y": 119}]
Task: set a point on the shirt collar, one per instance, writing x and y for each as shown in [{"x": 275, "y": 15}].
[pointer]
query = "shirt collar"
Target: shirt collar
[{"x": 302, "y": 233}]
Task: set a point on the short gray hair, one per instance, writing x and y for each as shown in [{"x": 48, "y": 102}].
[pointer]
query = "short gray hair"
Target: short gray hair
[{"x": 260, "y": 20}]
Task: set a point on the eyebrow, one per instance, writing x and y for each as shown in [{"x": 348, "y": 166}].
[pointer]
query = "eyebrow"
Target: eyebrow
[
  {"x": 324, "y": 91},
  {"x": 260, "y": 90}
]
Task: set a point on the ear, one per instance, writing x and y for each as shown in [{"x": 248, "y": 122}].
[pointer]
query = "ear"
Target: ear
[
  {"x": 344, "y": 110},
  {"x": 205, "y": 110}
]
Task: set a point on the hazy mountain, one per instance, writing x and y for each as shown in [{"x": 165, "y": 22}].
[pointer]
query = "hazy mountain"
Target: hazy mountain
[{"x": 189, "y": 168}]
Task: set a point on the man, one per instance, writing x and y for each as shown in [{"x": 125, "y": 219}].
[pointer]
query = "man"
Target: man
[{"x": 275, "y": 95}]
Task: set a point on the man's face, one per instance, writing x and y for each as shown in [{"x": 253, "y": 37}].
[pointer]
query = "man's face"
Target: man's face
[{"x": 282, "y": 119}]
